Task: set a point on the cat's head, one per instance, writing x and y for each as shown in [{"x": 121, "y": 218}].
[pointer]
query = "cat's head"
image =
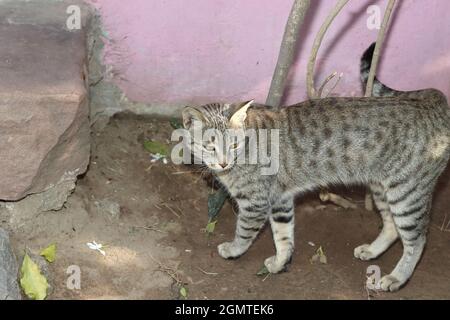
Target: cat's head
[{"x": 216, "y": 131}]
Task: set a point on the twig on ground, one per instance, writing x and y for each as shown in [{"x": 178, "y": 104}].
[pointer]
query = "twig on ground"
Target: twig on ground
[
  {"x": 267, "y": 275},
  {"x": 368, "y": 201},
  {"x": 338, "y": 200},
  {"x": 207, "y": 273},
  {"x": 194, "y": 204},
  {"x": 171, "y": 209},
  {"x": 151, "y": 228},
  {"x": 445, "y": 225},
  {"x": 182, "y": 172},
  {"x": 172, "y": 272},
  {"x": 439, "y": 228}
]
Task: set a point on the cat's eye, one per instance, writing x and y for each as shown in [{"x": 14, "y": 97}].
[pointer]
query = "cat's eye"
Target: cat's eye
[{"x": 234, "y": 146}]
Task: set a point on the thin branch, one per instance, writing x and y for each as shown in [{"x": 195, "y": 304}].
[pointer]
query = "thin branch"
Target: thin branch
[
  {"x": 325, "y": 82},
  {"x": 316, "y": 45},
  {"x": 335, "y": 85},
  {"x": 287, "y": 52},
  {"x": 373, "y": 68},
  {"x": 172, "y": 272},
  {"x": 378, "y": 45},
  {"x": 207, "y": 273}
]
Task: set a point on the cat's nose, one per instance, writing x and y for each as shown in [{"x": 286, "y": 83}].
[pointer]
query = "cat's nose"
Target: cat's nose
[{"x": 223, "y": 164}]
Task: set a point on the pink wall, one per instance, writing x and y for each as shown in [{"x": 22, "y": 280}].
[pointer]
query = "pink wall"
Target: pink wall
[{"x": 200, "y": 51}]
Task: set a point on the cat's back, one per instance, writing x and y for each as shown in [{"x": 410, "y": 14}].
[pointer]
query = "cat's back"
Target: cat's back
[
  {"x": 427, "y": 111},
  {"x": 360, "y": 136}
]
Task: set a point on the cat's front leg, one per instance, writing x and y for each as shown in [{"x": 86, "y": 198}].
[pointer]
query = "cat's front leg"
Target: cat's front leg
[
  {"x": 251, "y": 218},
  {"x": 282, "y": 224}
]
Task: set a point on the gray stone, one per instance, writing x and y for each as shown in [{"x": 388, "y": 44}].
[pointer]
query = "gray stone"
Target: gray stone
[
  {"x": 19, "y": 213},
  {"x": 44, "y": 109},
  {"x": 9, "y": 288}
]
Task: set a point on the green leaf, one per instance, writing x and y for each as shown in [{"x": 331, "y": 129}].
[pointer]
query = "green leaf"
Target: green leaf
[
  {"x": 156, "y": 147},
  {"x": 210, "y": 227},
  {"x": 49, "y": 253},
  {"x": 215, "y": 203},
  {"x": 33, "y": 283},
  {"x": 263, "y": 272},
  {"x": 175, "y": 123},
  {"x": 183, "y": 292}
]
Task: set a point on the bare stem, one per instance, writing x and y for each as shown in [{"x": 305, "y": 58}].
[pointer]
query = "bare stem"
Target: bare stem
[
  {"x": 378, "y": 45},
  {"x": 334, "y": 86},
  {"x": 316, "y": 45},
  {"x": 325, "y": 82}
]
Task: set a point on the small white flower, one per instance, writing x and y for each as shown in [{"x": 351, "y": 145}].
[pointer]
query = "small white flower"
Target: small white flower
[
  {"x": 96, "y": 246},
  {"x": 157, "y": 156}
]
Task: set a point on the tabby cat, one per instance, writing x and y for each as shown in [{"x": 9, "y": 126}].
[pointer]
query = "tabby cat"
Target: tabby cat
[{"x": 396, "y": 143}]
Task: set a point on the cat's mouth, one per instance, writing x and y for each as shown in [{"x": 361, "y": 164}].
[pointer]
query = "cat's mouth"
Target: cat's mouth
[{"x": 220, "y": 167}]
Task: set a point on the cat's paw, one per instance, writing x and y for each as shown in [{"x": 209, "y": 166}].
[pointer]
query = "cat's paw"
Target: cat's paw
[
  {"x": 274, "y": 266},
  {"x": 390, "y": 283},
  {"x": 363, "y": 252},
  {"x": 228, "y": 250}
]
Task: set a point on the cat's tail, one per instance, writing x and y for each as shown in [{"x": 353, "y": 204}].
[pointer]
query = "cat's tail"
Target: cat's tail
[{"x": 379, "y": 89}]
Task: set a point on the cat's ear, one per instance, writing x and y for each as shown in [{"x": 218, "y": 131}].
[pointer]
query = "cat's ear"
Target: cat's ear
[
  {"x": 191, "y": 117},
  {"x": 238, "y": 118}
]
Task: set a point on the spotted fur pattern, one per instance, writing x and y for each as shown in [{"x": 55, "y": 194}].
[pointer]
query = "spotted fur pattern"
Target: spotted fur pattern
[{"x": 396, "y": 143}]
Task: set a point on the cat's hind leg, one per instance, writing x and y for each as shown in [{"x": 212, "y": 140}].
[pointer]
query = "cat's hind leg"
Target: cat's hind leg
[
  {"x": 410, "y": 205},
  {"x": 388, "y": 234},
  {"x": 251, "y": 218},
  {"x": 282, "y": 224}
]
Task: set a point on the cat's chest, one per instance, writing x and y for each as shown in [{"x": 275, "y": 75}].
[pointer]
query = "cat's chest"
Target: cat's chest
[
  {"x": 226, "y": 179},
  {"x": 239, "y": 177}
]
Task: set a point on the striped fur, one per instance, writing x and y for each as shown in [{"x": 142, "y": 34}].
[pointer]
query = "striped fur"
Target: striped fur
[{"x": 397, "y": 143}]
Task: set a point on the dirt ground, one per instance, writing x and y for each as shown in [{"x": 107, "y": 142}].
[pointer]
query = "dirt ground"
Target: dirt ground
[{"x": 151, "y": 217}]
